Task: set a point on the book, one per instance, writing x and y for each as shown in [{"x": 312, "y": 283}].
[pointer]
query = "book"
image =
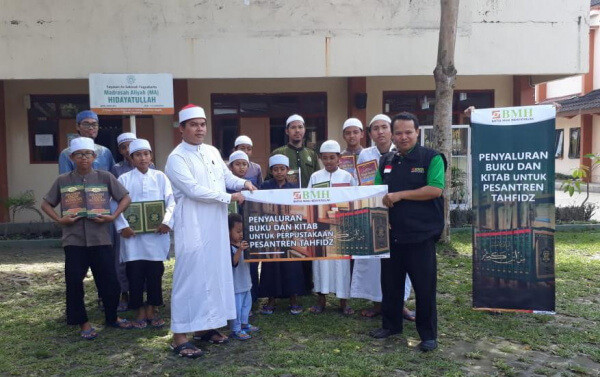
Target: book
[
  {"x": 348, "y": 163},
  {"x": 72, "y": 200},
  {"x": 346, "y": 184},
  {"x": 232, "y": 207},
  {"x": 97, "y": 200},
  {"x": 154, "y": 212},
  {"x": 292, "y": 175},
  {"x": 145, "y": 217},
  {"x": 134, "y": 214},
  {"x": 366, "y": 173},
  {"x": 324, "y": 184}
]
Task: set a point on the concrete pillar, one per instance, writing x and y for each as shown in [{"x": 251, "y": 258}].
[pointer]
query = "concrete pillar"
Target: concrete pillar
[
  {"x": 357, "y": 91},
  {"x": 3, "y": 156},
  {"x": 180, "y": 99}
]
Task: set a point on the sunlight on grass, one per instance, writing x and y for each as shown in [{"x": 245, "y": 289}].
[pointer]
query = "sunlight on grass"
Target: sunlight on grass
[{"x": 35, "y": 340}]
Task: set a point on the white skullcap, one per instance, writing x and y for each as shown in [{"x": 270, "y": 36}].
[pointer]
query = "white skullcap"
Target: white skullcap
[
  {"x": 238, "y": 155},
  {"x": 139, "y": 145},
  {"x": 125, "y": 136},
  {"x": 80, "y": 143},
  {"x": 381, "y": 117},
  {"x": 352, "y": 122},
  {"x": 190, "y": 112},
  {"x": 279, "y": 159},
  {"x": 330, "y": 146},
  {"x": 243, "y": 139},
  {"x": 293, "y": 118}
]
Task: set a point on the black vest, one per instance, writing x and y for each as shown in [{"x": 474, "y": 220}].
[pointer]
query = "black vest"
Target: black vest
[{"x": 412, "y": 221}]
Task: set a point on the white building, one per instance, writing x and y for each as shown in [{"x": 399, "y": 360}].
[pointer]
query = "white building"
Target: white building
[
  {"x": 251, "y": 63},
  {"x": 578, "y": 117}
]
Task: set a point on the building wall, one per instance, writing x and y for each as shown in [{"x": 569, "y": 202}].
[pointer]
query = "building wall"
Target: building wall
[
  {"x": 563, "y": 87},
  {"x": 336, "y": 88},
  {"x": 566, "y": 165},
  {"x": 596, "y": 146},
  {"x": 24, "y": 176},
  {"x": 53, "y": 39},
  {"x": 502, "y": 86}
]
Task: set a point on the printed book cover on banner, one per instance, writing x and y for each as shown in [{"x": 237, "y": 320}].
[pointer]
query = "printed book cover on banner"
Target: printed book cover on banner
[{"x": 318, "y": 223}]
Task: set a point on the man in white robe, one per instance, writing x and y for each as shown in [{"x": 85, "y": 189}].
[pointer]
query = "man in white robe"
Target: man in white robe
[
  {"x": 366, "y": 276},
  {"x": 203, "y": 295}
]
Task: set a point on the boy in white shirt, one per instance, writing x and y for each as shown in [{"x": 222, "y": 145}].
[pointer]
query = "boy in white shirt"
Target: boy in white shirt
[
  {"x": 331, "y": 276},
  {"x": 145, "y": 253}
]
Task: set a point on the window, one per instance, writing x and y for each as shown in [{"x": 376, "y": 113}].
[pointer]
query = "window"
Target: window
[
  {"x": 50, "y": 120},
  {"x": 228, "y": 109},
  {"x": 574, "y": 142},
  {"x": 422, "y": 103},
  {"x": 558, "y": 143}
]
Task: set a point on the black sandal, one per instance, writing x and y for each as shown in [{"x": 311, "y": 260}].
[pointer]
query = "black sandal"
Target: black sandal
[
  {"x": 208, "y": 337},
  {"x": 178, "y": 350}
]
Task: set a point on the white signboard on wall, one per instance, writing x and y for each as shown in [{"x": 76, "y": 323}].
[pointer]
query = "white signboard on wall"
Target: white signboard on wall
[{"x": 131, "y": 94}]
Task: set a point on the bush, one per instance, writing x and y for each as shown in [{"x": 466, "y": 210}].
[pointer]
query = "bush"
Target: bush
[
  {"x": 461, "y": 217},
  {"x": 575, "y": 213}
]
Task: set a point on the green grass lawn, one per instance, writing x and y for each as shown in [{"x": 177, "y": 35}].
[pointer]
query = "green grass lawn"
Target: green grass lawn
[{"x": 34, "y": 339}]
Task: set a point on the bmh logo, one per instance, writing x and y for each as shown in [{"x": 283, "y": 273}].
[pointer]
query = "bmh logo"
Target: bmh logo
[
  {"x": 311, "y": 195},
  {"x": 513, "y": 115}
]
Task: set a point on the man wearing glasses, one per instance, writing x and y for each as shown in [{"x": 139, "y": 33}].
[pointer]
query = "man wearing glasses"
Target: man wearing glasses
[{"x": 87, "y": 126}]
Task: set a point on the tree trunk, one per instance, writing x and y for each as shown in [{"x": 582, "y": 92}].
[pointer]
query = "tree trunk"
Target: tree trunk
[{"x": 445, "y": 76}]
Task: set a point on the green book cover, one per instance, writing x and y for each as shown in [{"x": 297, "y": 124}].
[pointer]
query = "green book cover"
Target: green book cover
[
  {"x": 72, "y": 200},
  {"x": 97, "y": 200},
  {"x": 321, "y": 185},
  {"x": 154, "y": 212},
  {"x": 134, "y": 214},
  {"x": 232, "y": 207}
]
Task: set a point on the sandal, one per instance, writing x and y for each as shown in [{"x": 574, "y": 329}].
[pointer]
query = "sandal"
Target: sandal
[
  {"x": 296, "y": 309},
  {"x": 370, "y": 313},
  {"x": 156, "y": 322},
  {"x": 178, "y": 350},
  {"x": 209, "y": 337},
  {"x": 250, "y": 328},
  {"x": 346, "y": 310},
  {"x": 408, "y": 315},
  {"x": 240, "y": 335},
  {"x": 90, "y": 334},
  {"x": 267, "y": 309},
  {"x": 316, "y": 309},
  {"x": 122, "y": 324},
  {"x": 139, "y": 324}
]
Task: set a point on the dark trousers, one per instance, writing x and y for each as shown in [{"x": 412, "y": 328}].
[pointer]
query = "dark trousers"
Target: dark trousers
[
  {"x": 148, "y": 274},
  {"x": 101, "y": 260},
  {"x": 418, "y": 260},
  {"x": 254, "y": 279}
]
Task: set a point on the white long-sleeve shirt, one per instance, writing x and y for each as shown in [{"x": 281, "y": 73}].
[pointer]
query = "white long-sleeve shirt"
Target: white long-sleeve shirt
[
  {"x": 203, "y": 295},
  {"x": 153, "y": 185}
]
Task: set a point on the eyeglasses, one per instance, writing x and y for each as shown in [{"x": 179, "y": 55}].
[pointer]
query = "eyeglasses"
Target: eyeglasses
[
  {"x": 81, "y": 155},
  {"x": 89, "y": 126}
]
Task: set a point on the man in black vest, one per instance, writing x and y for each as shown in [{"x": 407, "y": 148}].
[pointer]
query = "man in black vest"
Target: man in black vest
[{"x": 415, "y": 179}]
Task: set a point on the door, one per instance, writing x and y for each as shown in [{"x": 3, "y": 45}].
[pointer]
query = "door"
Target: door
[{"x": 258, "y": 129}]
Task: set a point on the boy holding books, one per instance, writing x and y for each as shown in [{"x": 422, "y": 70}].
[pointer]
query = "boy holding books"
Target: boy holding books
[
  {"x": 84, "y": 194},
  {"x": 331, "y": 276},
  {"x": 144, "y": 253},
  {"x": 280, "y": 279}
]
